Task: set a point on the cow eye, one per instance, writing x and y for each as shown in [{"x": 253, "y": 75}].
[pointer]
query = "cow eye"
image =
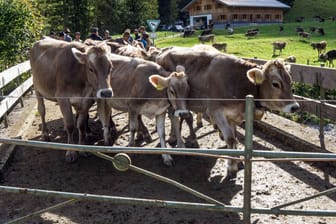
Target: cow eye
[
  {"x": 276, "y": 85},
  {"x": 91, "y": 70}
]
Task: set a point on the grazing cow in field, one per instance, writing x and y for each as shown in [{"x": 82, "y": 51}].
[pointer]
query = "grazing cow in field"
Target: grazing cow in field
[
  {"x": 290, "y": 59},
  {"x": 206, "y": 38},
  {"x": 220, "y": 46},
  {"x": 252, "y": 33},
  {"x": 71, "y": 74},
  {"x": 319, "y": 46},
  {"x": 299, "y": 29},
  {"x": 206, "y": 32},
  {"x": 278, "y": 45},
  {"x": 142, "y": 87},
  {"x": 304, "y": 35},
  {"x": 329, "y": 56},
  {"x": 281, "y": 29},
  {"x": 229, "y": 79},
  {"x": 320, "y": 31}
]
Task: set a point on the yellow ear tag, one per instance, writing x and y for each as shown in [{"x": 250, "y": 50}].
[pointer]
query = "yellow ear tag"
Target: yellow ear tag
[{"x": 159, "y": 87}]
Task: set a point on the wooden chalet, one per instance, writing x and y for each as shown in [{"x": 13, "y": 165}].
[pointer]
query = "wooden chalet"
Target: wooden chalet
[{"x": 205, "y": 12}]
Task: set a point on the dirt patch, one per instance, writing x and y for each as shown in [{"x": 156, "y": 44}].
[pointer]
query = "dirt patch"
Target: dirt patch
[{"x": 273, "y": 183}]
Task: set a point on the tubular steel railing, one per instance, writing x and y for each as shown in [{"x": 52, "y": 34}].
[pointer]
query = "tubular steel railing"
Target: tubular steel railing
[{"x": 123, "y": 163}]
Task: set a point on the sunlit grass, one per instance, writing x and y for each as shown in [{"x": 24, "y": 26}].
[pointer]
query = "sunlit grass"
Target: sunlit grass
[{"x": 261, "y": 46}]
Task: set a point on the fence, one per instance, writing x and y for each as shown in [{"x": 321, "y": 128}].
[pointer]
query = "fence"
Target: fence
[{"x": 122, "y": 162}]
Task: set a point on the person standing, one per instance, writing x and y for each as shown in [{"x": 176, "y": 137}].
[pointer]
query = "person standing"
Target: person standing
[
  {"x": 94, "y": 34},
  {"x": 107, "y": 35},
  {"x": 67, "y": 36},
  {"x": 77, "y": 37}
]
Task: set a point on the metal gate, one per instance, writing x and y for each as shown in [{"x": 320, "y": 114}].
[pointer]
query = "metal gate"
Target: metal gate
[{"x": 122, "y": 162}]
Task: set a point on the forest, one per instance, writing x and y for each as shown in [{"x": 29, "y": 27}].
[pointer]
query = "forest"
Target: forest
[{"x": 24, "y": 21}]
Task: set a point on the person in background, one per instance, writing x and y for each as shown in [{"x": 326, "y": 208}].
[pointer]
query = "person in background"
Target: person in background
[
  {"x": 52, "y": 34},
  {"x": 61, "y": 35},
  {"x": 94, "y": 34},
  {"x": 67, "y": 36},
  {"x": 130, "y": 38},
  {"x": 142, "y": 30},
  {"x": 136, "y": 34},
  {"x": 107, "y": 35},
  {"x": 124, "y": 39},
  {"x": 145, "y": 40},
  {"x": 77, "y": 37}
]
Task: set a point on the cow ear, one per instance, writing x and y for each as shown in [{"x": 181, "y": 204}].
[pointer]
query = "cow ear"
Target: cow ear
[
  {"x": 180, "y": 68},
  {"x": 80, "y": 56},
  {"x": 256, "y": 76},
  {"x": 159, "y": 82}
]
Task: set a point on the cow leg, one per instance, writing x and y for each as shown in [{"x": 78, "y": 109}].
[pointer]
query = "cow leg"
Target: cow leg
[
  {"x": 104, "y": 113},
  {"x": 133, "y": 127},
  {"x": 191, "y": 141},
  {"x": 175, "y": 130},
  {"x": 41, "y": 110},
  {"x": 143, "y": 133},
  {"x": 228, "y": 133},
  {"x": 160, "y": 126},
  {"x": 199, "y": 120},
  {"x": 69, "y": 124}
]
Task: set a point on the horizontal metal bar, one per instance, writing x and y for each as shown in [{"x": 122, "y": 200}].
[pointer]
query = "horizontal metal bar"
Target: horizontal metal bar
[
  {"x": 173, "y": 151},
  {"x": 160, "y": 178},
  {"x": 326, "y": 192},
  {"x": 162, "y": 203},
  {"x": 27, "y": 217}
]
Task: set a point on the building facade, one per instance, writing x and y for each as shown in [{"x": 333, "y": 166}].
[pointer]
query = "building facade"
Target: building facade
[{"x": 205, "y": 12}]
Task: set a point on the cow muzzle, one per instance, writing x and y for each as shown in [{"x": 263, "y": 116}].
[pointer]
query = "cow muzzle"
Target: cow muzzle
[
  {"x": 181, "y": 113},
  {"x": 291, "y": 108},
  {"x": 105, "y": 93}
]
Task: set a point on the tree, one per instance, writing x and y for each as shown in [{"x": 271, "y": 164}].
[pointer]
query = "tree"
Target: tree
[
  {"x": 21, "y": 24},
  {"x": 288, "y": 2}
]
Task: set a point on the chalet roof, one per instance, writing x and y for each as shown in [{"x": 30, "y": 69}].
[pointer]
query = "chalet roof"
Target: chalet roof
[
  {"x": 255, "y": 3},
  {"x": 248, "y": 3}
]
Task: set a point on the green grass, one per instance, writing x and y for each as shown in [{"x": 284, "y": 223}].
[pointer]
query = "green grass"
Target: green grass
[
  {"x": 261, "y": 46},
  {"x": 311, "y": 8}
]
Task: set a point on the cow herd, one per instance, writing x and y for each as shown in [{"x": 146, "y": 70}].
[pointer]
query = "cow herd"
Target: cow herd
[{"x": 173, "y": 81}]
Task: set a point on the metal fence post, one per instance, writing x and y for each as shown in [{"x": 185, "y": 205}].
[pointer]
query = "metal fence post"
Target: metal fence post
[{"x": 249, "y": 117}]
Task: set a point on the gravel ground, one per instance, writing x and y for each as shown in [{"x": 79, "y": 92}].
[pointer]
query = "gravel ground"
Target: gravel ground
[{"x": 272, "y": 183}]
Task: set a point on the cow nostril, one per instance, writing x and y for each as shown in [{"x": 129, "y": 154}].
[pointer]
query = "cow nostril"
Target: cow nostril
[
  {"x": 184, "y": 115},
  {"x": 295, "y": 109},
  {"x": 106, "y": 93}
]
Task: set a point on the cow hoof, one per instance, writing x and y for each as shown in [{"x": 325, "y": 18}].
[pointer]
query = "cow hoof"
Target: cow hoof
[
  {"x": 71, "y": 156},
  {"x": 46, "y": 138},
  {"x": 172, "y": 142},
  {"x": 168, "y": 160},
  {"x": 84, "y": 154}
]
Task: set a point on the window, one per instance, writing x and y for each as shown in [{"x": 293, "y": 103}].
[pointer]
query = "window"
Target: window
[
  {"x": 218, "y": 6},
  {"x": 222, "y": 17},
  {"x": 235, "y": 17},
  {"x": 244, "y": 17},
  {"x": 258, "y": 17},
  {"x": 198, "y": 8},
  {"x": 207, "y": 7},
  {"x": 267, "y": 17},
  {"x": 278, "y": 17}
]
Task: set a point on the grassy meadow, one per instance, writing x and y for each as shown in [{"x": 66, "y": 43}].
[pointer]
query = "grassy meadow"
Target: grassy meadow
[{"x": 261, "y": 46}]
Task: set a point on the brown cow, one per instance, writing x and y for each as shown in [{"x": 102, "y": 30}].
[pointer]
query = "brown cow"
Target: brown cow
[
  {"x": 319, "y": 46},
  {"x": 206, "y": 38},
  {"x": 214, "y": 75},
  {"x": 278, "y": 45},
  {"x": 133, "y": 81},
  {"x": 220, "y": 46},
  {"x": 71, "y": 74}
]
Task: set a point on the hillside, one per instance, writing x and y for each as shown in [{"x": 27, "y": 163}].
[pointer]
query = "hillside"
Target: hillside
[{"x": 311, "y": 8}]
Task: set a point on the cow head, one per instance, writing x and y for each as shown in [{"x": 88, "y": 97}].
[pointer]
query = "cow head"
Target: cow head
[
  {"x": 177, "y": 88},
  {"x": 274, "y": 86},
  {"x": 98, "y": 66}
]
